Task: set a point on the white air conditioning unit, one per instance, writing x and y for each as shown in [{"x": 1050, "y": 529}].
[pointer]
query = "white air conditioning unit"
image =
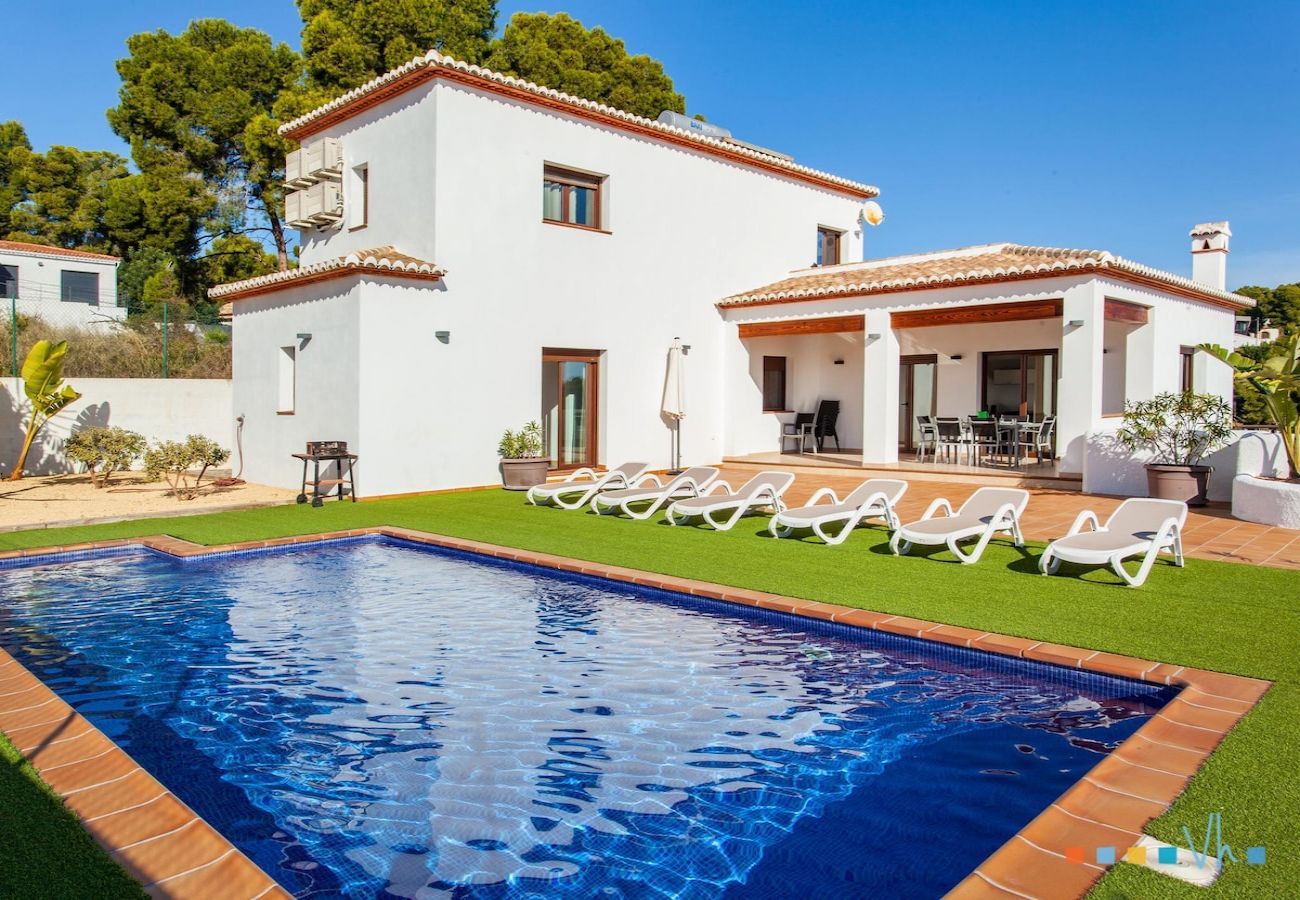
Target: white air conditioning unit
[
  {"x": 323, "y": 159},
  {"x": 293, "y": 171},
  {"x": 293, "y": 216},
  {"x": 322, "y": 204}
]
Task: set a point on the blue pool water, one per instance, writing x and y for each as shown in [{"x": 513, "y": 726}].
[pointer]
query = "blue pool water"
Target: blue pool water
[{"x": 371, "y": 718}]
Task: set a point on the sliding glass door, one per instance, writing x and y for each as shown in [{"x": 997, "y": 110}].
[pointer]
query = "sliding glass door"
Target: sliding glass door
[
  {"x": 570, "y": 384},
  {"x": 1020, "y": 383},
  {"x": 917, "y": 385}
]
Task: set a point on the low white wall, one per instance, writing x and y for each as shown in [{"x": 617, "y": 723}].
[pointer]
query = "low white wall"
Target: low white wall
[
  {"x": 1257, "y": 499},
  {"x": 161, "y": 409},
  {"x": 1108, "y": 468}
]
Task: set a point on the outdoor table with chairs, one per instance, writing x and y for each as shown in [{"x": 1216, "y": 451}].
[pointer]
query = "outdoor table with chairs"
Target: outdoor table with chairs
[{"x": 984, "y": 440}]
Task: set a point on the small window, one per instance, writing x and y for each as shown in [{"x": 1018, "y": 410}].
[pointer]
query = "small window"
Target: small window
[
  {"x": 8, "y": 282},
  {"x": 828, "y": 246},
  {"x": 1185, "y": 367},
  {"x": 359, "y": 201},
  {"x": 80, "y": 287},
  {"x": 773, "y": 383},
  {"x": 288, "y": 364},
  {"x": 571, "y": 198}
]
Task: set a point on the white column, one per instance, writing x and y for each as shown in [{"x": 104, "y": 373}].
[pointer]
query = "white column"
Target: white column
[
  {"x": 1140, "y": 361},
  {"x": 1078, "y": 402},
  {"x": 880, "y": 390}
]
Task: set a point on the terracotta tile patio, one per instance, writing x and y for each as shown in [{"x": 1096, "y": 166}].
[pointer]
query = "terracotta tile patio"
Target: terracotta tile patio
[{"x": 1211, "y": 532}]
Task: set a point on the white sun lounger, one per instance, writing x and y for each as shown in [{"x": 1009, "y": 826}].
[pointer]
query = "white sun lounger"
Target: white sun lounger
[
  {"x": 987, "y": 512},
  {"x": 873, "y": 499},
  {"x": 1138, "y": 527},
  {"x": 581, "y": 485},
  {"x": 764, "y": 489},
  {"x": 688, "y": 484}
]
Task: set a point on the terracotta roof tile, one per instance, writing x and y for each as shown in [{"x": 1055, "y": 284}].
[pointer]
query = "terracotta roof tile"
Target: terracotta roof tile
[
  {"x": 980, "y": 264},
  {"x": 45, "y": 250},
  {"x": 379, "y": 261},
  {"x": 434, "y": 63}
]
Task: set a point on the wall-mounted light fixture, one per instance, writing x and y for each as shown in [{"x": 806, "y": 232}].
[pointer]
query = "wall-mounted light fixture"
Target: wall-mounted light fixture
[
  {"x": 838, "y": 362},
  {"x": 873, "y": 336},
  {"x": 955, "y": 356},
  {"x": 1075, "y": 323},
  {"x": 686, "y": 349},
  {"x": 304, "y": 338},
  {"x": 443, "y": 336}
]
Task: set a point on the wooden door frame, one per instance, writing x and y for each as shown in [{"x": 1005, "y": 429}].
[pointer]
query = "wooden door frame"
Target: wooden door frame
[
  {"x": 906, "y": 383},
  {"x": 1024, "y": 370},
  {"x": 592, "y": 359}
]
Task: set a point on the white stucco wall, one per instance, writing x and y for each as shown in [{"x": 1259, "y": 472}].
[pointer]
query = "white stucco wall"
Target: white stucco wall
[
  {"x": 161, "y": 409},
  {"x": 326, "y": 402}
]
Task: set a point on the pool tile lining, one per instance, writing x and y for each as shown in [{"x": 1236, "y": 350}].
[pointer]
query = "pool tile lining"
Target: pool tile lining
[{"x": 193, "y": 859}]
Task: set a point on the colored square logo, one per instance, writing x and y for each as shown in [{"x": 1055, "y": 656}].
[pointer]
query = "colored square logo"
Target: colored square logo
[
  {"x": 1167, "y": 856},
  {"x": 1105, "y": 856},
  {"x": 1136, "y": 855},
  {"x": 1255, "y": 856},
  {"x": 1074, "y": 855}
]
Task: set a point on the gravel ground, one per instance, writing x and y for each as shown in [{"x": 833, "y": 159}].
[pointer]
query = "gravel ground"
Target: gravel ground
[{"x": 39, "y": 501}]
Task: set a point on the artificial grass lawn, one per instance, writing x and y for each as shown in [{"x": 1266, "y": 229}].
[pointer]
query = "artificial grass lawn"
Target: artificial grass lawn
[{"x": 1220, "y": 616}]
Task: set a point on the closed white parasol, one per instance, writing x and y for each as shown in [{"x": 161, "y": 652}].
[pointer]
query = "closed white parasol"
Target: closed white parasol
[{"x": 674, "y": 402}]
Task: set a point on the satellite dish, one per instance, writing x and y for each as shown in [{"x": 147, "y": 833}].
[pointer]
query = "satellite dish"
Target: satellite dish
[{"x": 871, "y": 213}]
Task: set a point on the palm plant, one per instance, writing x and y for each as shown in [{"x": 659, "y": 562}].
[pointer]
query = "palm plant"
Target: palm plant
[
  {"x": 46, "y": 392},
  {"x": 1277, "y": 380}
]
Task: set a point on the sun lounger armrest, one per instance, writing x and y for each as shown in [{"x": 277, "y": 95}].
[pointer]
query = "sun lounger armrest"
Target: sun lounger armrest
[
  {"x": 823, "y": 492},
  {"x": 879, "y": 498},
  {"x": 1168, "y": 531},
  {"x": 652, "y": 479},
  {"x": 1006, "y": 513},
  {"x": 581, "y": 473},
  {"x": 712, "y": 489},
  {"x": 939, "y": 503},
  {"x": 1087, "y": 517}
]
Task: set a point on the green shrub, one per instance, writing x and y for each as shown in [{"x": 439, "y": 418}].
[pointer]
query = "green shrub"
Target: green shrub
[
  {"x": 174, "y": 461},
  {"x": 526, "y": 443},
  {"x": 104, "y": 451}
]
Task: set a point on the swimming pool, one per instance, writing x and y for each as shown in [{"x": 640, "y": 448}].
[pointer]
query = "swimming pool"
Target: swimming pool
[{"x": 377, "y": 718}]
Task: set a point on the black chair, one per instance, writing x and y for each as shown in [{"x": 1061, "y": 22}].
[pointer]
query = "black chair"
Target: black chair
[
  {"x": 985, "y": 439},
  {"x": 828, "y": 413}
]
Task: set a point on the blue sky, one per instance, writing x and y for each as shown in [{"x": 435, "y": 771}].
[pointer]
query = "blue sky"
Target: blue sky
[{"x": 1112, "y": 125}]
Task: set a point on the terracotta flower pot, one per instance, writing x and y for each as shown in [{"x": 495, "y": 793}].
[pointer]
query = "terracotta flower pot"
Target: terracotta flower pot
[
  {"x": 1186, "y": 483},
  {"x": 521, "y": 474}
]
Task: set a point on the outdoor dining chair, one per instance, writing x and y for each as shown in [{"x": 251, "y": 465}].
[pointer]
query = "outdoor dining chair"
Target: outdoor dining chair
[
  {"x": 928, "y": 437},
  {"x": 950, "y": 438}
]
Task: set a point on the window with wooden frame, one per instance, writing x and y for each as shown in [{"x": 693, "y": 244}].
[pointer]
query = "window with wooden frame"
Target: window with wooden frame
[
  {"x": 774, "y": 384},
  {"x": 8, "y": 282},
  {"x": 572, "y": 198},
  {"x": 359, "y": 201},
  {"x": 1186, "y": 356},
  {"x": 828, "y": 246}
]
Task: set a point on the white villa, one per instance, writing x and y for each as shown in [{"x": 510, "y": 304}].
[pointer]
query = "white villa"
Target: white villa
[
  {"x": 478, "y": 252},
  {"x": 63, "y": 286}
]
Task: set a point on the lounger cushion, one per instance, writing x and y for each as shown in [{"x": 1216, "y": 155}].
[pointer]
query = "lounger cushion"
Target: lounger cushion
[
  {"x": 806, "y": 514},
  {"x": 943, "y": 527},
  {"x": 1091, "y": 543}
]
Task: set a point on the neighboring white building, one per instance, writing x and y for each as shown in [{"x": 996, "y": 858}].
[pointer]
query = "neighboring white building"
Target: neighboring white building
[
  {"x": 478, "y": 252},
  {"x": 64, "y": 287}
]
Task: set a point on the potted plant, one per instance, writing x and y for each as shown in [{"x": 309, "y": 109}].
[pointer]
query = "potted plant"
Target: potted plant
[
  {"x": 522, "y": 463},
  {"x": 1177, "y": 430}
]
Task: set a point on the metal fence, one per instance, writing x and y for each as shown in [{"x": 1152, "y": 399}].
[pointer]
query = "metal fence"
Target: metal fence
[{"x": 104, "y": 342}]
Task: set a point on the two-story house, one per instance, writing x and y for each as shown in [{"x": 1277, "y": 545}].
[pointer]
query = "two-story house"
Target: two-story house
[
  {"x": 479, "y": 251},
  {"x": 63, "y": 287}
]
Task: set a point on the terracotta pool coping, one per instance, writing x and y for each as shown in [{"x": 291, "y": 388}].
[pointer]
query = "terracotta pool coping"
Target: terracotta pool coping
[{"x": 174, "y": 853}]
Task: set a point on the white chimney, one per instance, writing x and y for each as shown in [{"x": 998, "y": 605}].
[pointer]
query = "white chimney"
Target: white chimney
[{"x": 1210, "y": 254}]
